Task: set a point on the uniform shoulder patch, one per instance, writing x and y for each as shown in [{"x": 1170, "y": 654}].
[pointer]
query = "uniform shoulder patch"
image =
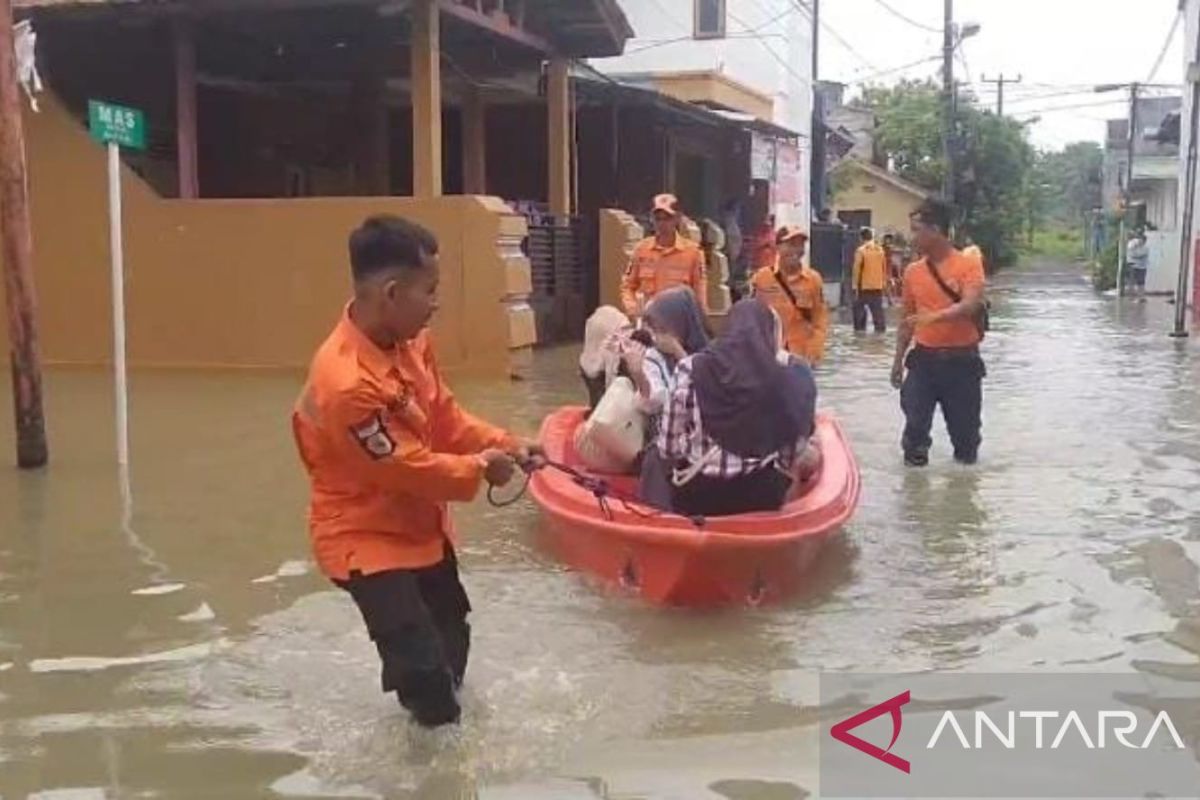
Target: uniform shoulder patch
[{"x": 373, "y": 436}]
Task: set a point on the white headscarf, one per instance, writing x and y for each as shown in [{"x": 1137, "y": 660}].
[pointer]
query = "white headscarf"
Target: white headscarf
[{"x": 595, "y": 358}]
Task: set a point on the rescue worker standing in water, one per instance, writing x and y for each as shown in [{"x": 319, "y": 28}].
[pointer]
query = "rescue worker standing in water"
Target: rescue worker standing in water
[
  {"x": 386, "y": 448},
  {"x": 663, "y": 261},
  {"x": 944, "y": 309},
  {"x": 797, "y": 294},
  {"x": 869, "y": 281}
]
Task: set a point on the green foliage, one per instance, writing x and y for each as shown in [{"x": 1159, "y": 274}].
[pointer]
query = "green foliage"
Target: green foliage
[
  {"x": 1069, "y": 182},
  {"x": 1004, "y": 188},
  {"x": 1056, "y": 242},
  {"x": 909, "y": 130}
]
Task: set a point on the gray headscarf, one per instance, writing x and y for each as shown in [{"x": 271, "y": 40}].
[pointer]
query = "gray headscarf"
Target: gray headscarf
[{"x": 676, "y": 311}]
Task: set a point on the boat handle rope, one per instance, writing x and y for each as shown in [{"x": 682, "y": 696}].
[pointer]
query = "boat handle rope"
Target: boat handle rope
[{"x": 599, "y": 488}]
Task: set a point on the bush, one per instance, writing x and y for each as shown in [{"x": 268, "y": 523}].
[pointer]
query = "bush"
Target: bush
[{"x": 1104, "y": 271}]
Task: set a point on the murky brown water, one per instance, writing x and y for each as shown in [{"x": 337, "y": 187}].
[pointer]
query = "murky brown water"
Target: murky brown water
[{"x": 192, "y": 653}]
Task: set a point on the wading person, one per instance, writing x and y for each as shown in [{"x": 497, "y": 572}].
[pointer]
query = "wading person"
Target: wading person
[
  {"x": 869, "y": 279},
  {"x": 1138, "y": 258},
  {"x": 386, "y": 448},
  {"x": 943, "y": 297},
  {"x": 663, "y": 261},
  {"x": 796, "y": 293}
]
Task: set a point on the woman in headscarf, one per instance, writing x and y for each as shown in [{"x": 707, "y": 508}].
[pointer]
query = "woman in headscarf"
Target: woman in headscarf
[
  {"x": 605, "y": 341},
  {"x": 736, "y": 420},
  {"x": 676, "y": 322}
]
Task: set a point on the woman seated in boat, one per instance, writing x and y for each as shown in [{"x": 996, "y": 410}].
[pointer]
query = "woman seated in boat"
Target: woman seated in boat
[
  {"x": 676, "y": 323},
  {"x": 736, "y": 421},
  {"x": 808, "y": 460},
  {"x": 607, "y": 337}
]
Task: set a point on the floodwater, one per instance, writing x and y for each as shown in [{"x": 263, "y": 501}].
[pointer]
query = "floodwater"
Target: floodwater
[{"x": 189, "y": 651}]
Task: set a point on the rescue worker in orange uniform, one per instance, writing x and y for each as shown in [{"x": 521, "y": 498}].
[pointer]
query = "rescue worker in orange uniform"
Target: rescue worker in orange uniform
[
  {"x": 797, "y": 293},
  {"x": 971, "y": 250},
  {"x": 386, "y": 448},
  {"x": 663, "y": 261},
  {"x": 945, "y": 313},
  {"x": 868, "y": 280}
]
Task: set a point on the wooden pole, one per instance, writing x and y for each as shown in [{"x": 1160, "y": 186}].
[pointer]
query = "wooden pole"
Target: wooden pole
[
  {"x": 474, "y": 142},
  {"x": 185, "y": 109},
  {"x": 558, "y": 107},
  {"x": 17, "y": 249},
  {"x": 427, "y": 98}
]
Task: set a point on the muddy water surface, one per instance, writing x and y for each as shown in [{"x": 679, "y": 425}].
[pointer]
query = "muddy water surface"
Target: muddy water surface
[{"x": 188, "y": 650}]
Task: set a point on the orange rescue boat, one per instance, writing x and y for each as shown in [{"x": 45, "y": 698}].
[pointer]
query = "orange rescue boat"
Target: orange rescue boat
[{"x": 749, "y": 559}]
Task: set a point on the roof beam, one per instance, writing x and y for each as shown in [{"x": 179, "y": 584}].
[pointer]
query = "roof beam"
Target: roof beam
[{"x": 497, "y": 24}]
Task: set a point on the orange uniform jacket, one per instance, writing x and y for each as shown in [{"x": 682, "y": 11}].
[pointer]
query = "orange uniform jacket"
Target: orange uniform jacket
[
  {"x": 653, "y": 269},
  {"x": 870, "y": 268},
  {"x": 922, "y": 294},
  {"x": 805, "y": 322},
  {"x": 386, "y": 448}
]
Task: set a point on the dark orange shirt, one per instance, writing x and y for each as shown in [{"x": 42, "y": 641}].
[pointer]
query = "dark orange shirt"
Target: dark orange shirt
[
  {"x": 386, "y": 447},
  {"x": 922, "y": 294},
  {"x": 870, "y": 268},
  {"x": 654, "y": 268},
  {"x": 805, "y": 322}
]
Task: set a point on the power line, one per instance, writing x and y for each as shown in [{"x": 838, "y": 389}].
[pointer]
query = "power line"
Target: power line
[
  {"x": 1166, "y": 46},
  {"x": 1051, "y": 109},
  {"x": 767, "y": 46},
  {"x": 900, "y": 15},
  {"x": 833, "y": 32},
  {"x": 892, "y": 70}
]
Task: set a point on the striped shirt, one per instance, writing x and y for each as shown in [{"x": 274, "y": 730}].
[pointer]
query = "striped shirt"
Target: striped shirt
[{"x": 683, "y": 442}]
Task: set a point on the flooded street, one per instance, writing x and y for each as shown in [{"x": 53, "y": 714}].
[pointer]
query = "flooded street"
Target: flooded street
[{"x": 190, "y": 650}]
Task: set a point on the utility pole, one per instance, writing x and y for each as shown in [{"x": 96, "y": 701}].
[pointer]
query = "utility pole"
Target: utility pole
[
  {"x": 1000, "y": 84},
  {"x": 948, "y": 89},
  {"x": 1127, "y": 192},
  {"x": 17, "y": 250},
  {"x": 817, "y": 165},
  {"x": 1189, "y": 200}
]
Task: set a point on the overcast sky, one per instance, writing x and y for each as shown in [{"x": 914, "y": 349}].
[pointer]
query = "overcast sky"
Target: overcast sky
[{"x": 1057, "y": 46}]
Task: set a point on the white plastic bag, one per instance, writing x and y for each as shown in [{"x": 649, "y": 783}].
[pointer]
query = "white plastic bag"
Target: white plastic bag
[{"x": 612, "y": 437}]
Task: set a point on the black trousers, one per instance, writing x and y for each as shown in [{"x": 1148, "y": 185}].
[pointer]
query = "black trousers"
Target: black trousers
[
  {"x": 703, "y": 496},
  {"x": 869, "y": 299},
  {"x": 418, "y": 621},
  {"x": 952, "y": 379}
]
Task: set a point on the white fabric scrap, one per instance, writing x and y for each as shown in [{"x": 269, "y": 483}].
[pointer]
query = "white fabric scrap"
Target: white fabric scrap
[{"x": 25, "y": 42}]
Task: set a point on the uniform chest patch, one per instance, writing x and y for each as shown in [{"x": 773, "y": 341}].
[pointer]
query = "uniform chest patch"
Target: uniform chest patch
[{"x": 372, "y": 434}]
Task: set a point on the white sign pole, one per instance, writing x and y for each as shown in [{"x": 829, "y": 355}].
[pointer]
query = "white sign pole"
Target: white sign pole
[{"x": 117, "y": 245}]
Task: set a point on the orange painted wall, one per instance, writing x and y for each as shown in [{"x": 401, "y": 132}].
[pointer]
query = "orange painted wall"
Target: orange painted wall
[{"x": 240, "y": 282}]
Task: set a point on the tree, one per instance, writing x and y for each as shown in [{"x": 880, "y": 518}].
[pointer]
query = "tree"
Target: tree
[
  {"x": 1070, "y": 181},
  {"x": 994, "y": 161}
]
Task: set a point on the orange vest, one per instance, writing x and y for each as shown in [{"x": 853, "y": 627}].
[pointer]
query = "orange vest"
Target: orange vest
[
  {"x": 805, "y": 321},
  {"x": 653, "y": 269}
]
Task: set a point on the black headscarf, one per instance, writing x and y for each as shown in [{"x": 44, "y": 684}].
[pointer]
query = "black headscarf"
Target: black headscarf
[
  {"x": 750, "y": 404},
  {"x": 676, "y": 311}
]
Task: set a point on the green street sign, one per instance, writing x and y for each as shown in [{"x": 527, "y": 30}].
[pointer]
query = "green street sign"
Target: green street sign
[{"x": 123, "y": 126}]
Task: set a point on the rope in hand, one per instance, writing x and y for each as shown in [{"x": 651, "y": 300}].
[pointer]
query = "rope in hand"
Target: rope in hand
[{"x": 601, "y": 489}]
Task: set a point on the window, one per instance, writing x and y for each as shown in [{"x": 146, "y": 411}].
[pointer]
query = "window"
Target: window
[{"x": 709, "y": 19}]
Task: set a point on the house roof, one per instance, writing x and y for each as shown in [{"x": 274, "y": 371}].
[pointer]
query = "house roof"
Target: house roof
[
  {"x": 887, "y": 177},
  {"x": 580, "y": 28}
]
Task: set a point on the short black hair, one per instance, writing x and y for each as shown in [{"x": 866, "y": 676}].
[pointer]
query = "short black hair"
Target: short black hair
[
  {"x": 866, "y": 234},
  {"x": 386, "y": 242},
  {"x": 935, "y": 213}
]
